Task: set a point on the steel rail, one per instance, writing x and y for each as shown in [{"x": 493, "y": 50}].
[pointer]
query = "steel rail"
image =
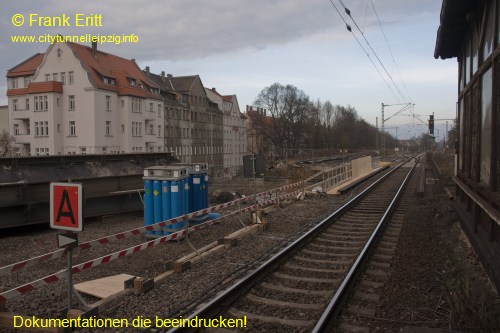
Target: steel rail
[
  {"x": 227, "y": 297},
  {"x": 326, "y": 320}
]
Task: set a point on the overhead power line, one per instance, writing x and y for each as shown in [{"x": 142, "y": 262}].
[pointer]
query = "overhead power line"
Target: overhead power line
[
  {"x": 399, "y": 96},
  {"x": 348, "y": 27},
  {"x": 390, "y": 51}
]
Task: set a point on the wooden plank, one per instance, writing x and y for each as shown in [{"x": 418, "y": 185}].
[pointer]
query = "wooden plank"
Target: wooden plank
[{"x": 104, "y": 287}]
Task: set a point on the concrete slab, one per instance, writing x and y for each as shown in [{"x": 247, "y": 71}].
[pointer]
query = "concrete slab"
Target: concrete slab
[
  {"x": 338, "y": 189},
  {"x": 103, "y": 287}
]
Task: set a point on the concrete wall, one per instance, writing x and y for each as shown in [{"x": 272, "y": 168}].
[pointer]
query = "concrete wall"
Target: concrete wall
[{"x": 361, "y": 166}]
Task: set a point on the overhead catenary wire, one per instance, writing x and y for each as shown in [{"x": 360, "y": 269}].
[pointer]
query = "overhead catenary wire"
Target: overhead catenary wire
[
  {"x": 348, "y": 12},
  {"x": 390, "y": 51},
  {"x": 366, "y": 52},
  {"x": 399, "y": 98}
]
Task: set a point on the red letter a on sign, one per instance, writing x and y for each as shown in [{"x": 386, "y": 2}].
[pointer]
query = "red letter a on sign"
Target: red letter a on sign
[{"x": 68, "y": 212}]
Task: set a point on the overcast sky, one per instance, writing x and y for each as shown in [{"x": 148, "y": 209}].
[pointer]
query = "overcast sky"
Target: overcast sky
[{"x": 240, "y": 47}]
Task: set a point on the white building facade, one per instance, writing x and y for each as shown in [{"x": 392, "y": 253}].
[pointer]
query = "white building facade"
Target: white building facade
[
  {"x": 75, "y": 99},
  {"x": 234, "y": 132}
]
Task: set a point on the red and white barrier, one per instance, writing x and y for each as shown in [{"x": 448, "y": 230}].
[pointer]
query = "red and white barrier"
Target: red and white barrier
[
  {"x": 26, "y": 288},
  {"x": 22, "y": 265}
]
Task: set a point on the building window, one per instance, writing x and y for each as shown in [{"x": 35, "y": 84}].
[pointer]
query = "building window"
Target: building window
[
  {"x": 63, "y": 77},
  {"x": 136, "y": 128},
  {"x": 108, "y": 103},
  {"x": 108, "y": 128},
  {"x": 71, "y": 103},
  {"x": 71, "y": 77},
  {"x": 486, "y": 128},
  {"x": 489, "y": 33},
  {"x": 122, "y": 103},
  {"x": 159, "y": 110},
  {"x": 159, "y": 130},
  {"x": 27, "y": 81},
  {"x": 123, "y": 128},
  {"x": 58, "y": 128},
  {"x": 27, "y": 103},
  {"x": 55, "y": 76},
  {"x": 136, "y": 104},
  {"x": 45, "y": 128},
  {"x": 47, "y": 77},
  {"x": 13, "y": 83},
  {"x": 15, "y": 106},
  {"x": 151, "y": 107},
  {"x": 41, "y": 103},
  {"x": 83, "y": 150},
  {"x": 72, "y": 128},
  {"x": 16, "y": 129}
]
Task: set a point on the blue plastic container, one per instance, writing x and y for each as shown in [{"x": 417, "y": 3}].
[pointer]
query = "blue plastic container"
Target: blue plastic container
[
  {"x": 176, "y": 198},
  {"x": 205, "y": 187},
  {"x": 148, "y": 204},
  {"x": 165, "y": 200},
  {"x": 198, "y": 193}
]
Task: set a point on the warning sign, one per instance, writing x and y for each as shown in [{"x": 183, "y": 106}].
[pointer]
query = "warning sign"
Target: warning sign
[{"x": 66, "y": 206}]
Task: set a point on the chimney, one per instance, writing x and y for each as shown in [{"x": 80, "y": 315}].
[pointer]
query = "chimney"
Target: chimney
[
  {"x": 169, "y": 76},
  {"x": 147, "y": 71},
  {"x": 133, "y": 59},
  {"x": 163, "y": 76},
  {"x": 213, "y": 89},
  {"x": 94, "y": 49}
]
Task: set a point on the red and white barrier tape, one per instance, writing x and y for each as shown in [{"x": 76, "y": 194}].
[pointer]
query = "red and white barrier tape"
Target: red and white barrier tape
[
  {"x": 22, "y": 265},
  {"x": 26, "y": 288}
]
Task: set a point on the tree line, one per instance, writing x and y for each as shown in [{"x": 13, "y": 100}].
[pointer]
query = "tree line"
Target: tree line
[{"x": 293, "y": 121}]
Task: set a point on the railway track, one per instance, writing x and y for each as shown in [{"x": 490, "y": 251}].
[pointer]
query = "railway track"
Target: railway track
[{"x": 301, "y": 288}]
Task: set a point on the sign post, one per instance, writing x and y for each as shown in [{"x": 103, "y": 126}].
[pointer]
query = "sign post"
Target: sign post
[{"x": 66, "y": 214}]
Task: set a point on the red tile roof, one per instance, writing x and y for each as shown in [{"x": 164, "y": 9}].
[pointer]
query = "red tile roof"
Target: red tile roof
[
  {"x": 37, "y": 88},
  {"x": 99, "y": 66},
  {"x": 120, "y": 69},
  {"x": 27, "y": 67}
]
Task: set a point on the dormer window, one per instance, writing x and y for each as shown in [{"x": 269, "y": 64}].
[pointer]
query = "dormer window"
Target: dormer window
[
  {"x": 133, "y": 82},
  {"x": 108, "y": 80}
]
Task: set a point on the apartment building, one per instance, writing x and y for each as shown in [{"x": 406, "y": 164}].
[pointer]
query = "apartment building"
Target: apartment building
[
  {"x": 193, "y": 123},
  {"x": 235, "y": 141},
  {"x": 75, "y": 99},
  {"x": 258, "y": 125}
]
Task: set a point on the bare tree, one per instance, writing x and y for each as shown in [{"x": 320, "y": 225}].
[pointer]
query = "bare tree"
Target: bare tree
[
  {"x": 7, "y": 144},
  {"x": 289, "y": 109}
]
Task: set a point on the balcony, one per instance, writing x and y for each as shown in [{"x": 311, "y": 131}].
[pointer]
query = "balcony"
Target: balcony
[
  {"x": 23, "y": 138},
  {"x": 21, "y": 114}
]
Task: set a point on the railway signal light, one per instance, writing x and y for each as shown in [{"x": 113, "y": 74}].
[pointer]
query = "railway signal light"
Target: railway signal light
[{"x": 431, "y": 124}]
